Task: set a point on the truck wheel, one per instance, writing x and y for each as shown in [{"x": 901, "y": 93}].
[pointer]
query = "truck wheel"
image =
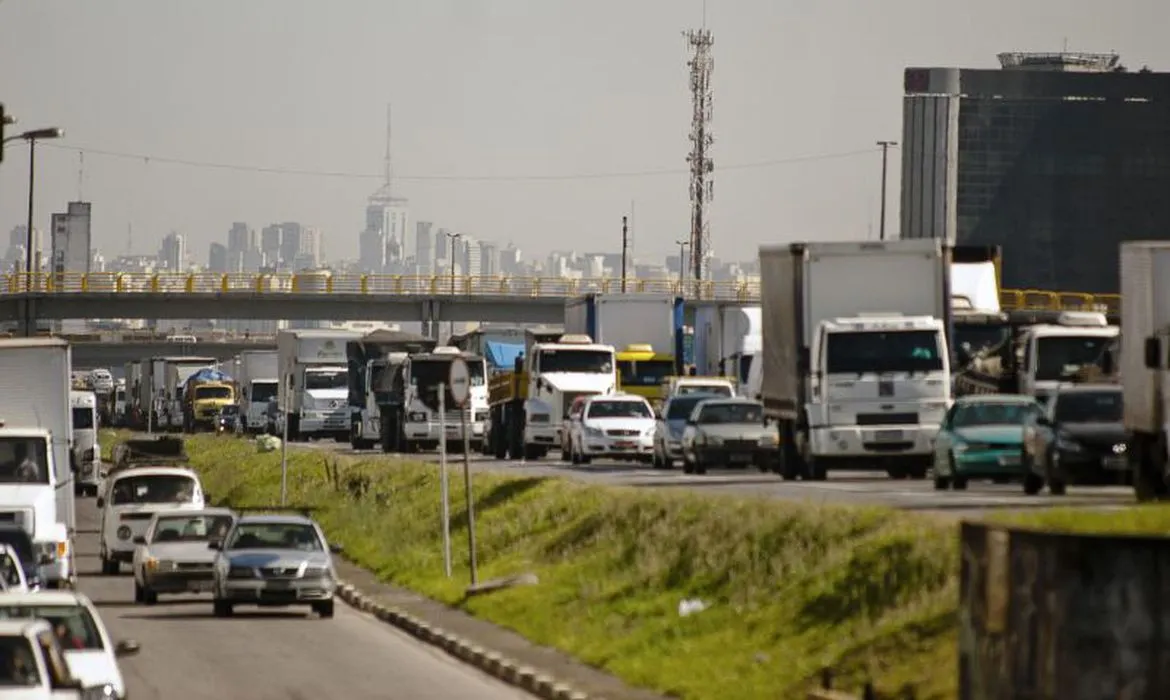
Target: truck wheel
[{"x": 815, "y": 470}]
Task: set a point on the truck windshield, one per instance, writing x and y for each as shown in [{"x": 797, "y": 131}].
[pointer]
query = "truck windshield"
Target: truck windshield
[
  {"x": 585, "y": 361},
  {"x": 82, "y": 418},
  {"x": 645, "y": 372},
  {"x": 1059, "y": 356},
  {"x": 23, "y": 460},
  {"x": 859, "y": 352},
  {"x": 1088, "y": 407},
  {"x": 213, "y": 392},
  {"x": 262, "y": 391},
  {"x": 326, "y": 379},
  {"x": 157, "y": 488}
]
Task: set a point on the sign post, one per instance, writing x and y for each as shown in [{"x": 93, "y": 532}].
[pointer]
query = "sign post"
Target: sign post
[
  {"x": 444, "y": 488},
  {"x": 288, "y": 385},
  {"x": 460, "y": 379}
]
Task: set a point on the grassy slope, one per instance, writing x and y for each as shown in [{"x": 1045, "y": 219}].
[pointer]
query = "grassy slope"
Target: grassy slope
[{"x": 791, "y": 588}]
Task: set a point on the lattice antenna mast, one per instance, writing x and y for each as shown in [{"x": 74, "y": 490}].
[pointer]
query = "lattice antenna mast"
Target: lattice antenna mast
[
  {"x": 702, "y": 189},
  {"x": 388, "y": 161}
]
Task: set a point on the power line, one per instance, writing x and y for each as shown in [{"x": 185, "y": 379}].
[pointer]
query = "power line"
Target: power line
[{"x": 239, "y": 167}]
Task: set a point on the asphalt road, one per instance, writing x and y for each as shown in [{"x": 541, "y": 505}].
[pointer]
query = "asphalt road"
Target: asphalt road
[
  {"x": 844, "y": 487},
  {"x": 267, "y": 655}
]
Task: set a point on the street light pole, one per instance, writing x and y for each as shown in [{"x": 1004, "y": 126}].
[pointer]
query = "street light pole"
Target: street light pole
[
  {"x": 453, "y": 237},
  {"x": 885, "y": 152},
  {"x": 31, "y": 137}
]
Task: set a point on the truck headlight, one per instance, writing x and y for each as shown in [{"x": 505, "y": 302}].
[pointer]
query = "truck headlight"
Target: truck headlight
[
  {"x": 417, "y": 417},
  {"x": 538, "y": 418},
  {"x": 124, "y": 533},
  {"x": 769, "y": 440}
]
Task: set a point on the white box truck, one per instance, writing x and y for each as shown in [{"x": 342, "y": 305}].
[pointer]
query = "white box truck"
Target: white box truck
[
  {"x": 1145, "y": 364},
  {"x": 36, "y": 478},
  {"x": 257, "y": 376},
  {"x": 856, "y": 368},
  {"x": 644, "y": 330},
  {"x": 314, "y": 383},
  {"x": 727, "y": 338}
]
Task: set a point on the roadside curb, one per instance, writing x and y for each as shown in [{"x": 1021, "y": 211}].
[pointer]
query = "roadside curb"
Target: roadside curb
[{"x": 489, "y": 662}]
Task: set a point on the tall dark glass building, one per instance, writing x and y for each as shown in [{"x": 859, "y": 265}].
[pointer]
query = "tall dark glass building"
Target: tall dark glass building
[{"x": 1057, "y": 158}]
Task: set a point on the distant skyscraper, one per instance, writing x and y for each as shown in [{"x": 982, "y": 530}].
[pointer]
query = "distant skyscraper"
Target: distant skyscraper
[
  {"x": 424, "y": 248},
  {"x": 71, "y": 242},
  {"x": 270, "y": 243},
  {"x": 309, "y": 248},
  {"x": 173, "y": 253},
  {"x": 217, "y": 258},
  {"x": 240, "y": 238},
  {"x": 489, "y": 259},
  {"x": 290, "y": 243},
  {"x": 468, "y": 250},
  {"x": 442, "y": 245}
]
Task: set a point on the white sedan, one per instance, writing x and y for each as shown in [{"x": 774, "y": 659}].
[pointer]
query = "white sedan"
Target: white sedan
[
  {"x": 91, "y": 654},
  {"x": 619, "y": 426},
  {"x": 173, "y": 556}
]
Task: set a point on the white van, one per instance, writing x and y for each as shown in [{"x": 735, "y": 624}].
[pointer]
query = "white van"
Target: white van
[
  {"x": 131, "y": 498},
  {"x": 85, "y": 455}
]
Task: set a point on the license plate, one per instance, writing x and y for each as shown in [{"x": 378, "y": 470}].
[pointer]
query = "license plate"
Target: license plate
[
  {"x": 741, "y": 459},
  {"x": 1009, "y": 460},
  {"x": 888, "y": 436},
  {"x": 452, "y": 428},
  {"x": 1116, "y": 463},
  {"x": 623, "y": 445},
  {"x": 201, "y": 586},
  {"x": 279, "y": 585}
]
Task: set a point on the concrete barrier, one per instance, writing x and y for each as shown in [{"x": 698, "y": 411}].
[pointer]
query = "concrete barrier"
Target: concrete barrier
[{"x": 1052, "y": 616}]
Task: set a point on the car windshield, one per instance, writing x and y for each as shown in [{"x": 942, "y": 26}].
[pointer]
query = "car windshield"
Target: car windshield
[
  {"x": 619, "y": 409},
  {"x": 154, "y": 488},
  {"x": 23, "y": 460},
  {"x": 18, "y": 666},
  {"x": 708, "y": 389},
  {"x": 10, "y": 569},
  {"x": 82, "y": 418},
  {"x": 681, "y": 409},
  {"x": 584, "y": 361},
  {"x": 973, "y": 415},
  {"x": 74, "y": 626},
  {"x": 1088, "y": 407},
  {"x": 882, "y": 351},
  {"x": 192, "y": 528},
  {"x": 735, "y": 413},
  {"x": 328, "y": 379},
  {"x": 275, "y": 536}
]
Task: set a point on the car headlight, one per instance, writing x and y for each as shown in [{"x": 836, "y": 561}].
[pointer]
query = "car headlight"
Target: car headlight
[
  {"x": 594, "y": 432},
  {"x": 316, "y": 571},
  {"x": 124, "y": 533},
  {"x": 1067, "y": 444},
  {"x": 241, "y": 572},
  {"x": 417, "y": 417},
  {"x": 769, "y": 440},
  {"x": 713, "y": 440}
]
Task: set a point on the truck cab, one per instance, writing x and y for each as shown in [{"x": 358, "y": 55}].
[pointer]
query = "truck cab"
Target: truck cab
[
  {"x": 85, "y": 453},
  {"x": 28, "y": 498},
  {"x": 422, "y": 375},
  {"x": 642, "y": 370},
  {"x": 1051, "y": 354},
  {"x": 558, "y": 373}
]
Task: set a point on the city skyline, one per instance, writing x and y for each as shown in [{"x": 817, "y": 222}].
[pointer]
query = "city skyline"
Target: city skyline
[{"x": 545, "y": 90}]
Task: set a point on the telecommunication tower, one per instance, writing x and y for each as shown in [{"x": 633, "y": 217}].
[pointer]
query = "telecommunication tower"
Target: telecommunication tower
[{"x": 702, "y": 189}]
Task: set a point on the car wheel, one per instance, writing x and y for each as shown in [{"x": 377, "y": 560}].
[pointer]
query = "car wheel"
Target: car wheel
[
  {"x": 222, "y": 608},
  {"x": 941, "y": 483},
  {"x": 149, "y": 597},
  {"x": 137, "y": 593},
  {"x": 111, "y": 567},
  {"x": 324, "y": 609}
]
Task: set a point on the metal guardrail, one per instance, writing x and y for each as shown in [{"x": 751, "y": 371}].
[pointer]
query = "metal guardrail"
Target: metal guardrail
[{"x": 443, "y": 285}]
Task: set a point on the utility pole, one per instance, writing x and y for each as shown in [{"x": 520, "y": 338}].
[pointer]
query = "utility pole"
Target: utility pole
[
  {"x": 885, "y": 152},
  {"x": 682, "y": 262},
  {"x": 451, "y": 262},
  {"x": 702, "y": 189},
  {"x": 625, "y": 250}
]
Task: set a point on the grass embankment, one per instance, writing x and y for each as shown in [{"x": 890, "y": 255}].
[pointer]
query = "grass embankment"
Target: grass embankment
[{"x": 790, "y": 588}]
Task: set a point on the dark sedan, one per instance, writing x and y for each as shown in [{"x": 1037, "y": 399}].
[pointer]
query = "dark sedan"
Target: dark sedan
[{"x": 1079, "y": 439}]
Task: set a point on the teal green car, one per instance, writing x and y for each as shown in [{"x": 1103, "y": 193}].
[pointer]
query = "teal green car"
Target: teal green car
[{"x": 982, "y": 437}]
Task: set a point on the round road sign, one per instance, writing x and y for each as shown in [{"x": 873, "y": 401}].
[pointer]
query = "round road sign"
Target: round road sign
[{"x": 459, "y": 381}]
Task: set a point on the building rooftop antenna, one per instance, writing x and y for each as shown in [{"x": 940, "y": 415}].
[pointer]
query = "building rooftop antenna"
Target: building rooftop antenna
[{"x": 385, "y": 193}]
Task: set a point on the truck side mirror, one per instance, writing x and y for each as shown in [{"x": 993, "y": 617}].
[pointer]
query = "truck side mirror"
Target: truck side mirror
[
  {"x": 1153, "y": 353},
  {"x": 101, "y": 502}
]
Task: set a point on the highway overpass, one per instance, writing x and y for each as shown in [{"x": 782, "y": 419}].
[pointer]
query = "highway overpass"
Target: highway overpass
[{"x": 341, "y": 297}]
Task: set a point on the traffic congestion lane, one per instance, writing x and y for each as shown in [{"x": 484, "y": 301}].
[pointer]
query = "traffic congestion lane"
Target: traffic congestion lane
[
  {"x": 842, "y": 487},
  {"x": 275, "y": 654}
]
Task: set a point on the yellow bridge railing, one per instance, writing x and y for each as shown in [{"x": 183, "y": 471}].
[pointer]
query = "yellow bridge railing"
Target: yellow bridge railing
[{"x": 444, "y": 285}]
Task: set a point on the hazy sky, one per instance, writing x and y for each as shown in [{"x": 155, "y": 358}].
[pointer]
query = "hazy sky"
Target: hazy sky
[{"x": 495, "y": 89}]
